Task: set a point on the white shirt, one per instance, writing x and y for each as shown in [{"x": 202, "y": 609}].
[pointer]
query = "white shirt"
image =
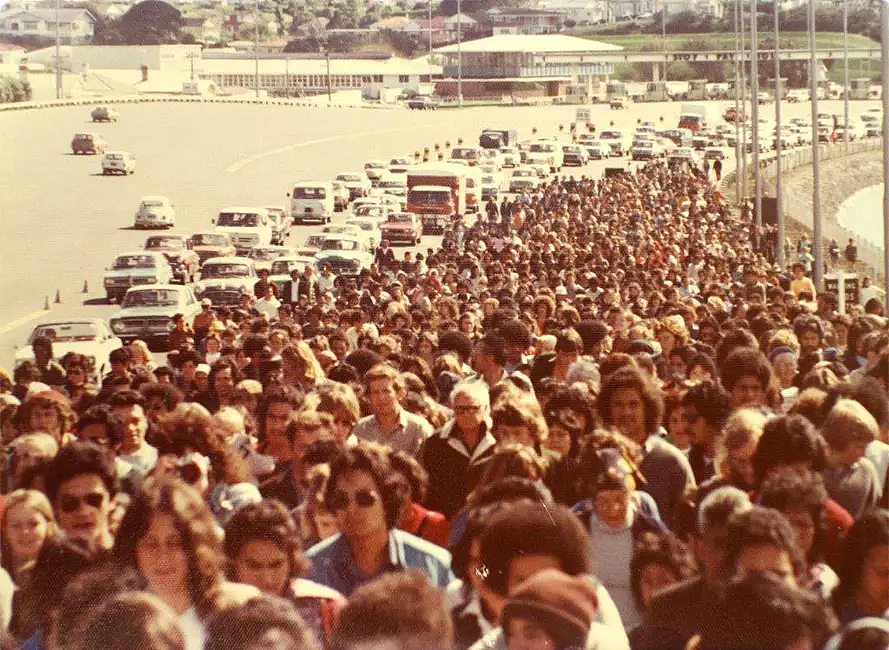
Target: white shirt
[
  {"x": 267, "y": 307},
  {"x": 144, "y": 460},
  {"x": 866, "y": 293}
]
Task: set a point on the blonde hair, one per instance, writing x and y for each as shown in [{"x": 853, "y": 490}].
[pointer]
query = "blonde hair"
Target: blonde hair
[
  {"x": 314, "y": 503},
  {"x": 142, "y": 346},
  {"x": 44, "y": 441},
  {"x": 35, "y": 500},
  {"x": 334, "y": 397},
  {"x": 742, "y": 427},
  {"x": 783, "y": 337}
]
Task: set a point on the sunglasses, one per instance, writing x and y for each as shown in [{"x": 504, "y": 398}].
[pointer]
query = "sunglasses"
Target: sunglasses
[
  {"x": 340, "y": 499},
  {"x": 69, "y": 504}
]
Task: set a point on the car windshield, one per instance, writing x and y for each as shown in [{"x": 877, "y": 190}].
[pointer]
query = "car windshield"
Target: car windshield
[
  {"x": 314, "y": 240},
  {"x": 364, "y": 225},
  {"x": 431, "y": 197},
  {"x": 165, "y": 242},
  {"x": 114, "y": 156},
  {"x": 609, "y": 135},
  {"x": 313, "y": 193},
  {"x": 151, "y": 298},
  {"x": 210, "y": 240},
  {"x": 265, "y": 254},
  {"x": 400, "y": 218},
  {"x": 487, "y": 180},
  {"x": 339, "y": 245},
  {"x": 237, "y": 220},
  {"x": 225, "y": 270},
  {"x": 369, "y": 211},
  {"x": 542, "y": 147},
  {"x": 152, "y": 204},
  {"x": 66, "y": 332},
  {"x": 284, "y": 267},
  {"x": 464, "y": 153},
  {"x": 349, "y": 178},
  {"x": 135, "y": 262},
  {"x": 374, "y": 164},
  {"x": 393, "y": 183}
]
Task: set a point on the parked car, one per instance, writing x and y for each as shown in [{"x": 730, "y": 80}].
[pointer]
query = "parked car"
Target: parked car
[
  {"x": 131, "y": 269},
  {"x": 212, "y": 244},
  {"x": 402, "y": 228},
  {"x": 423, "y": 103},
  {"x": 184, "y": 262},
  {"x": 619, "y": 103},
  {"x": 263, "y": 256},
  {"x": 90, "y": 337},
  {"x": 341, "y": 196},
  {"x": 248, "y": 226},
  {"x": 646, "y": 150},
  {"x": 147, "y": 312},
  {"x": 344, "y": 254},
  {"x": 104, "y": 114},
  {"x": 88, "y": 143},
  {"x": 118, "y": 162},
  {"x": 358, "y": 183},
  {"x": 281, "y": 223},
  {"x": 523, "y": 178},
  {"x": 155, "y": 211},
  {"x": 618, "y": 142},
  {"x": 597, "y": 150}
]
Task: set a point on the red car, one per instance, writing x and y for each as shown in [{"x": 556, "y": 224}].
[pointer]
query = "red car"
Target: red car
[{"x": 402, "y": 228}]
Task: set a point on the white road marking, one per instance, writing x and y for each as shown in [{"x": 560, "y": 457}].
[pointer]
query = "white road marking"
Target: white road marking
[
  {"x": 21, "y": 321},
  {"x": 299, "y": 145}
]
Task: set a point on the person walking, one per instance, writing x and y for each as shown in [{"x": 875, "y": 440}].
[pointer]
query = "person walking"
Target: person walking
[{"x": 717, "y": 169}]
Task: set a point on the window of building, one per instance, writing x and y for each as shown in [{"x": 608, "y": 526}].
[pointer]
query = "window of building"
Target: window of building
[
  {"x": 378, "y": 78},
  {"x": 32, "y": 24},
  {"x": 425, "y": 78},
  {"x": 403, "y": 78}
]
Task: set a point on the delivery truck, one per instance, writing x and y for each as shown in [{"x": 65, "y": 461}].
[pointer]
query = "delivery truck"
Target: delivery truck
[
  {"x": 497, "y": 138},
  {"x": 436, "y": 192},
  {"x": 694, "y": 116}
]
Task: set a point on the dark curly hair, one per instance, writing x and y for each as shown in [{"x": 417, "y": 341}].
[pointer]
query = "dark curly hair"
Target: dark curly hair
[
  {"x": 197, "y": 533},
  {"x": 259, "y": 620},
  {"x": 410, "y": 468},
  {"x": 663, "y": 549},
  {"x": 631, "y": 378},
  {"x": 788, "y": 440},
  {"x": 373, "y": 459},
  {"x": 711, "y": 401},
  {"x": 869, "y": 532},
  {"x": 267, "y": 521},
  {"x": 788, "y": 490},
  {"x": 760, "y": 527}
]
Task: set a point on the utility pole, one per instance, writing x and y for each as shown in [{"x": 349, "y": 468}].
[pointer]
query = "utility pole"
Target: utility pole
[
  {"x": 816, "y": 153},
  {"x": 754, "y": 98},
  {"x": 779, "y": 142},
  {"x": 664, "y": 37},
  {"x": 744, "y": 187},
  {"x": 884, "y": 66},
  {"x": 58, "y": 54},
  {"x": 738, "y": 143},
  {"x": 256, "y": 44},
  {"x": 846, "y": 74},
  {"x": 459, "y": 56},
  {"x": 327, "y": 56},
  {"x": 429, "y": 5}
]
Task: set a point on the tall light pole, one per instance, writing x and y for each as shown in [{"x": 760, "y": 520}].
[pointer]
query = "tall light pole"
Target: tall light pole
[
  {"x": 256, "y": 44},
  {"x": 816, "y": 154},
  {"x": 744, "y": 189},
  {"x": 779, "y": 142},
  {"x": 58, "y": 54},
  {"x": 664, "y": 37},
  {"x": 459, "y": 57},
  {"x": 738, "y": 143},
  {"x": 846, "y": 73},
  {"x": 754, "y": 98},
  {"x": 429, "y": 5},
  {"x": 884, "y": 65}
]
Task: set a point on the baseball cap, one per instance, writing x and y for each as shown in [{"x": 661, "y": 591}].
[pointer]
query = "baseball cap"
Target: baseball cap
[
  {"x": 203, "y": 367},
  {"x": 206, "y": 302}
]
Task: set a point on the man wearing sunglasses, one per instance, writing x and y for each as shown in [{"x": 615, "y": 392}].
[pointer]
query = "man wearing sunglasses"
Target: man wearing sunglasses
[{"x": 81, "y": 483}]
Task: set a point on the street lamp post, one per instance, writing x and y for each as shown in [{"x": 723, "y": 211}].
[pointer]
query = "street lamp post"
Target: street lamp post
[
  {"x": 256, "y": 44},
  {"x": 754, "y": 98},
  {"x": 58, "y": 54},
  {"x": 664, "y": 36},
  {"x": 327, "y": 56},
  {"x": 816, "y": 154},
  {"x": 429, "y": 5},
  {"x": 846, "y": 73},
  {"x": 459, "y": 57},
  {"x": 779, "y": 142},
  {"x": 884, "y": 65},
  {"x": 738, "y": 143},
  {"x": 744, "y": 188}
]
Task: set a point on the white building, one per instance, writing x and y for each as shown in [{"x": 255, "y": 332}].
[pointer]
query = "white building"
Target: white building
[
  {"x": 162, "y": 58},
  {"x": 75, "y": 25}
]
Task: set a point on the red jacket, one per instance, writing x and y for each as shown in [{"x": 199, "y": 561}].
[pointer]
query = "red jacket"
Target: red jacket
[{"x": 426, "y": 524}]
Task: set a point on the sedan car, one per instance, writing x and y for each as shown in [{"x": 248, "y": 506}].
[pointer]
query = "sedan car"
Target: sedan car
[
  {"x": 573, "y": 154},
  {"x": 212, "y": 244},
  {"x": 237, "y": 272},
  {"x": 263, "y": 256},
  {"x": 155, "y": 212},
  {"x": 370, "y": 228},
  {"x": 88, "y": 143},
  {"x": 422, "y": 103},
  {"x": 374, "y": 169},
  {"x": 132, "y": 269},
  {"x": 400, "y": 164},
  {"x": 177, "y": 249},
  {"x": 597, "y": 150},
  {"x": 357, "y": 183},
  {"x": 340, "y": 196},
  {"x": 147, "y": 312},
  {"x": 714, "y": 154},
  {"x": 104, "y": 114},
  {"x": 344, "y": 255},
  {"x": 118, "y": 162},
  {"x": 90, "y": 337},
  {"x": 402, "y": 228}
]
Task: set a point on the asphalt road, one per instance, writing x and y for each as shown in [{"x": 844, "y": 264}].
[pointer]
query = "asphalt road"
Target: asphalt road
[{"x": 63, "y": 222}]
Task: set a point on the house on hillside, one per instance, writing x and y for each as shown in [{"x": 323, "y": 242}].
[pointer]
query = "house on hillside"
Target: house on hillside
[
  {"x": 207, "y": 28},
  {"x": 436, "y": 30},
  {"x": 76, "y": 26},
  {"x": 525, "y": 21},
  {"x": 395, "y": 24},
  {"x": 582, "y": 12}
]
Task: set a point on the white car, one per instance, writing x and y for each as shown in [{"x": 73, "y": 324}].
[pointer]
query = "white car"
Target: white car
[
  {"x": 615, "y": 139},
  {"x": 132, "y": 269},
  {"x": 510, "y": 157},
  {"x": 118, "y": 162},
  {"x": 373, "y": 169},
  {"x": 263, "y": 256},
  {"x": 344, "y": 255},
  {"x": 90, "y": 337},
  {"x": 248, "y": 226},
  {"x": 393, "y": 184},
  {"x": 155, "y": 211},
  {"x": 359, "y": 184},
  {"x": 373, "y": 199},
  {"x": 283, "y": 266},
  {"x": 400, "y": 164},
  {"x": 370, "y": 228},
  {"x": 281, "y": 223},
  {"x": 147, "y": 312},
  {"x": 597, "y": 150},
  {"x": 230, "y": 272},
  {"x": 379, "y": 213}
]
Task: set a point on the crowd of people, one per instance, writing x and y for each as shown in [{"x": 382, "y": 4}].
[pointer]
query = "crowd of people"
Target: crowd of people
[{"x": 596, "y": 417}]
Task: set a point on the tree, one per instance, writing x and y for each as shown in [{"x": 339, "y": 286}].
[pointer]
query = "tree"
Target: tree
[{"x": 151, "y": 22}]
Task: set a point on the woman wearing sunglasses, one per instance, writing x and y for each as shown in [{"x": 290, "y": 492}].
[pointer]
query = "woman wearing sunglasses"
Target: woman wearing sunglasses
[
  {"x": 170, "y": 537},
  {"x": 365, "y": 498}
]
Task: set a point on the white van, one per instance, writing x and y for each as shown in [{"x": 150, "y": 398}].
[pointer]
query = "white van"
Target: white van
[
  {"x": 312, "y": 201},
  {"x": 248, "y": 226}
]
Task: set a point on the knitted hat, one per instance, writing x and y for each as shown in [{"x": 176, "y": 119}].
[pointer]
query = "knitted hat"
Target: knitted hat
[{"x": 564, "y": 606}]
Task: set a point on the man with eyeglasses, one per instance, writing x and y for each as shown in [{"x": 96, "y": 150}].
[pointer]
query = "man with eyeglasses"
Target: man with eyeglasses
[{"x": 81, "y": 483}]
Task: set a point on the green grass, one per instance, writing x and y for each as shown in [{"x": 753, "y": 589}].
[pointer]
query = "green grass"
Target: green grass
[{"x": 726, "y": 40}]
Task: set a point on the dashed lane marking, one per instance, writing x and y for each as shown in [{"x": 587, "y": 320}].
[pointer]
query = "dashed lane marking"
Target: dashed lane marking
[
  {"x": 21, "y": 321},
  {"x": 333, "y": 138}
]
